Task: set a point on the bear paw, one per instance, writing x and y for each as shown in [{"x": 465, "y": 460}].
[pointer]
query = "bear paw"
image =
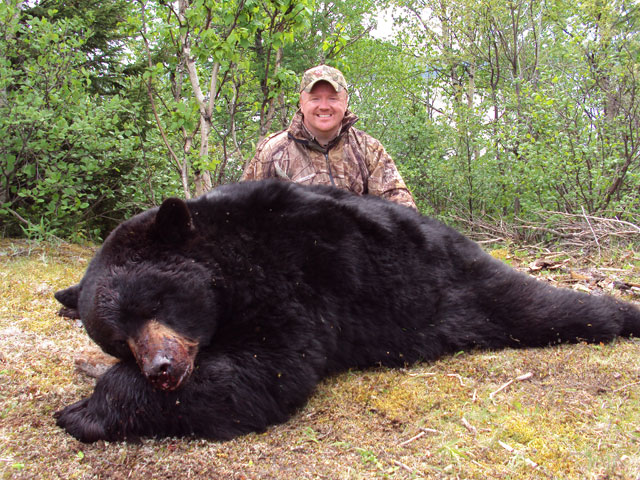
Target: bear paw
[{"x": 79, "y": 421}]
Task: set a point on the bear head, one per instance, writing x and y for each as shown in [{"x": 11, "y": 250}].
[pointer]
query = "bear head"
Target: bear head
[{"x": 147, "y": 296}]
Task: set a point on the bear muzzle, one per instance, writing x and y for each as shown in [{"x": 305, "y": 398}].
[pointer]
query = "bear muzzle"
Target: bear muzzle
[{"x": 165, "y": 357}]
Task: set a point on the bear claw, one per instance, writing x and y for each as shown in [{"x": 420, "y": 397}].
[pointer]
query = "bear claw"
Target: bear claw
[{"x": 77, "y": 421}]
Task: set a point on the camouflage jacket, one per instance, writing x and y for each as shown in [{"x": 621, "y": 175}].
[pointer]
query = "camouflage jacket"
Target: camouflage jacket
[{"x": 353, "y": 161}]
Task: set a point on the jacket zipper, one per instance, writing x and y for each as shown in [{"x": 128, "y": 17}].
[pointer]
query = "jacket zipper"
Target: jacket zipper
[{"x": 326, "y": 157}]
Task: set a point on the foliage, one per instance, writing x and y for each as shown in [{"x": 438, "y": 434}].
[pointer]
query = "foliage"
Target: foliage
[
  {"x": 536, "y": 102},
  {"x": 490, "y": 109},
  {"x": 70, "y": 157},
  {"x": 213, "y": 67}
]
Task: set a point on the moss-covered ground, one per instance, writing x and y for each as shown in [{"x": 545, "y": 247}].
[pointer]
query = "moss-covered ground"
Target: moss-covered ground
[{"x": 569, "y": 412}]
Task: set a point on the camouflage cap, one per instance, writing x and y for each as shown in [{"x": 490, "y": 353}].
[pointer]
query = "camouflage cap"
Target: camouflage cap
[{"x": 323, "y": 73}]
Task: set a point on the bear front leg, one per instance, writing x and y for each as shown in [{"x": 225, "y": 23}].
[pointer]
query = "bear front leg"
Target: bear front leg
[
  {"x": 123, "y": 406},
  {"x": 226, "y": 396},
  {"x": 242, "y": 392}
]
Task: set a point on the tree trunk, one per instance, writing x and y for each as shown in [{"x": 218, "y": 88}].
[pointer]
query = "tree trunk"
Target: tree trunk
[{"x": 202, "y": 178}]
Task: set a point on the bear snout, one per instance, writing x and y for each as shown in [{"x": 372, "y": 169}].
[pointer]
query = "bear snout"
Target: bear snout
[
  {"x": 164, "y": 372},
  {"x": 165, "y": 357}
]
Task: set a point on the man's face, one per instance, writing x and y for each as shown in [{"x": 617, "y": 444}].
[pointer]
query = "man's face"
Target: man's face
[{"x": 323, "y": 109}]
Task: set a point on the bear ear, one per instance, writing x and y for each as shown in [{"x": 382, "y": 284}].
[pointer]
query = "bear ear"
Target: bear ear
[
  {"x": 69, "y": 299},
  {"x": 173, "y": 221}
]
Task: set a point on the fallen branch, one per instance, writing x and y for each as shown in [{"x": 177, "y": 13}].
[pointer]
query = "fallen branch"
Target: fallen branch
[
  {"x": 625, "y": 386},
  {"x": 519, "y": 379},
  {"x": 429, "y": 430},
  {"x": 403, "y": 466},
  {"x": 473, "y": 430},
  {"x": 575, "y": 231},
  {"x": 455, "y": 375},
  {"x": 412, "y": 439},
  {"x": 584, "y": 214}
]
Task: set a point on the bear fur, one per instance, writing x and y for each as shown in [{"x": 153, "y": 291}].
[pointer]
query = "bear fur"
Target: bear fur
[{"x": 226, "y": 310}]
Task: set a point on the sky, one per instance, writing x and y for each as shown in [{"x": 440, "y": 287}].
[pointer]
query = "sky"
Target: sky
[{"x": 385, "y": 24}]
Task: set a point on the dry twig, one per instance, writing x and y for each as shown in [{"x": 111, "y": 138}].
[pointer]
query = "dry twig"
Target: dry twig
[
  {"x": 518, "y": 378},
  {"x": 403, "y": 466},
  {"x": 416, "y": 437},
  {"x": 473, "y": 430},
  {"x": 574, "y": 231},
  {"x": 584, "y": 214},
  {"x": 455, "y": 375},
  {"x": 625, "y": 386}
]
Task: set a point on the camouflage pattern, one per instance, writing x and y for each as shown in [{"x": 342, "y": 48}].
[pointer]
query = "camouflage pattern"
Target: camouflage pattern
[
  {"x": 323, "y": 73},
  {"x": 353, "y": 161}
]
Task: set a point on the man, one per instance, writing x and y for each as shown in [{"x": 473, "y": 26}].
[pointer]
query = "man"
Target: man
[{"x": 321, "y": 146}]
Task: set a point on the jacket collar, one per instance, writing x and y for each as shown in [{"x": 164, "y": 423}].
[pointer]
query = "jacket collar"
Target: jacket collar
[{"x": 299, "y": 133}]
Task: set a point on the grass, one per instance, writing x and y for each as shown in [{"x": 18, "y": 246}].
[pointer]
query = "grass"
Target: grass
[{"x": 576, "y": 416}]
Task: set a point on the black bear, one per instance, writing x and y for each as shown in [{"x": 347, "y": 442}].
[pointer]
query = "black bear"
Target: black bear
[{"x": 225, "y": 311}]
